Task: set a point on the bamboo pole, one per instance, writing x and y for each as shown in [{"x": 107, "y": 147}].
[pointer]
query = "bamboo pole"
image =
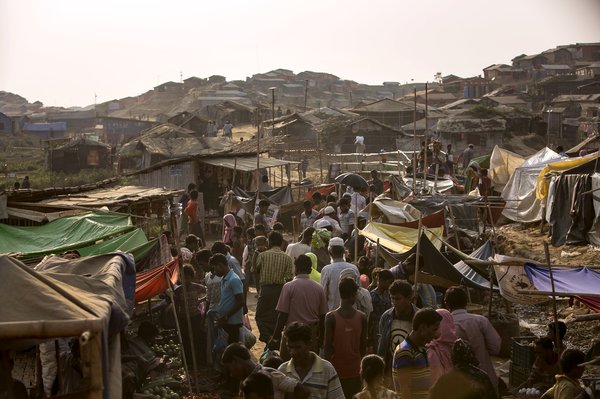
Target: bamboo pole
[
  {"x": 419, "y": 232},
  {"x": 356, "y": 226},
  {"x": 554, "y": 311},
  {"x": 185, "y": 298},
  {"x": 435, "y": 178},
  {"x": 170, "y": 293},
  {"x": 455, "y": 228}
]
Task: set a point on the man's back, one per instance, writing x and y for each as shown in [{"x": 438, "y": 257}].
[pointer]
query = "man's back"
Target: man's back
[
  {"x": 303, "y": 300},
  {"x": 330, "y": 278},
  {"x": 411, "y": 359},
  {"x": 482, "y": 336},
  {"x": 296, "y": 249},
  {"x": 274, "y": 266}
]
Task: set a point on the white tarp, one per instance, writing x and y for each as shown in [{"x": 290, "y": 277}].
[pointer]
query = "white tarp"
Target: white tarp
[
  {"x": 502, "y": 166},
  {"x": 519, "y": 193},
  {"x": 395, "y": 211},
  {"x": 513, "y": 279}
]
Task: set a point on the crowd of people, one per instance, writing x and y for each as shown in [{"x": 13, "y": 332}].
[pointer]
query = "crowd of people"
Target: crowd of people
[{"x": 337, "y": 326}]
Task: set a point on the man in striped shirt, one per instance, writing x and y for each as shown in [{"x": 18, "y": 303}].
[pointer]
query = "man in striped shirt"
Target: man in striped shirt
[
  {"x": 410, "y": 368},
  {"x": 275, "y": 268},
  {"x": 318, "y": 376}
]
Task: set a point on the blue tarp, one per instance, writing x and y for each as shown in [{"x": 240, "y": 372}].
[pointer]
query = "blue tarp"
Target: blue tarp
[{"x": 582, "y": 280}]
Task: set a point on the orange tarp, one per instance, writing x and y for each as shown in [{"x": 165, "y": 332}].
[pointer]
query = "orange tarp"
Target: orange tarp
[{"x": 150, "y": 283}]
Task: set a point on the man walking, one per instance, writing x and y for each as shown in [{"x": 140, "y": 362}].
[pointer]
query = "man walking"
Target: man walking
[
  {"x": 301, "y": 247},
  {"x": 412, "y": 378},
  {"x": 302, "y": 300},
  {"x": 395, "y": 323},
  {"x": 314, "y": 373},
  {"x": 275, "y": 268},
  {"x": 475, "y": 329},
  {"x": 467, "y": 156},
  {"x": 231, "y": 302},
  {"x": 346, "y": 338},
  {"x": 330, "y": 275},
  {"x": 377, "y": 182}
]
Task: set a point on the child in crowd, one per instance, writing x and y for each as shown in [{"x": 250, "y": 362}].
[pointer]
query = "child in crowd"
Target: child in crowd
[
  {"x": 364, "y": 268},
  {"x": 372, "y": 371}
]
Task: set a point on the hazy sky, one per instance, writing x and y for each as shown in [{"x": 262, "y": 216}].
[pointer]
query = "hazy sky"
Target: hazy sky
[{"x": 61, "y": 52}]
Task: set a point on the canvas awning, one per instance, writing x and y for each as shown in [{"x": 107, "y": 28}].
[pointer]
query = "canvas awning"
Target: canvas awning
[
  {"x": 134, "y": 242},
  {"x": 61, "y": 235},
  {"x": 558, "y": 167},
  {"x": 502, "y": 165},
  {"x": 398, "y": 239},
  {"x": 245, "y": 164}
]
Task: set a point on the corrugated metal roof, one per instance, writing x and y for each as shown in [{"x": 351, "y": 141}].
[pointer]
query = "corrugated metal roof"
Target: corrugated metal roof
[
  {"x": 44, "y": 127},
  {"x": 111, "y": 196},
  {"x": 245, "y": 164}
]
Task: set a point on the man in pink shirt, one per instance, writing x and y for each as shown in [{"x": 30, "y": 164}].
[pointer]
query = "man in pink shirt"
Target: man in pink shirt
[
  {"x": 302, "y": 300},
  {"x": 475, "y": 329}
]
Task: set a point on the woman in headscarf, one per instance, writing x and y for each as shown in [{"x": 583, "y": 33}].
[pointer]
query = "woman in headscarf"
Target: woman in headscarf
[
  {"x": 439, "y": 350},
  {"x": 229, "y": 223},
  {"x": 466, "y": 380},
  {"x": 314, "y": 274}
]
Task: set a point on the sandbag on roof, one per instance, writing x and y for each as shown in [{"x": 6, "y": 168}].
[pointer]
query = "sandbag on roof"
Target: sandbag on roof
[{"x": 60, "y": 235}]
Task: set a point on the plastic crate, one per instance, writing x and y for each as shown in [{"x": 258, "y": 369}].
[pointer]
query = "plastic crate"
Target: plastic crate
[
  {"x": 522, "y": 352},
  {"x": 517, "y": 375}
]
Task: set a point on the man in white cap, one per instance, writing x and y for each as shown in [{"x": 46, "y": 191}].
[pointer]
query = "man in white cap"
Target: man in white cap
[
  {"x": 330, "y": 275},
  {"x": 328, "y": 212}
]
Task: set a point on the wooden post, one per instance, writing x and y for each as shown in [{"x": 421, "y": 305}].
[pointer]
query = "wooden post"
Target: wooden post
[
  {"x": 376, "y": 252},
  {"x": 234, "y": 173},
  {"x": 170, "y": 293},
  {"x": 415, "y": 146},
  {"x": 419, "y": 232},
  {"x": 356, "y": 227},
  {"x": 487, "y": 204},
  {"x": 294, "y": 221},
  {"x": 320, "y": 154},
  {"x": 435, "y": 179},
  {"x": 554, "y": 311},
  {"x": 185, "y": 299},
  {"x": 455, "y": 228}
]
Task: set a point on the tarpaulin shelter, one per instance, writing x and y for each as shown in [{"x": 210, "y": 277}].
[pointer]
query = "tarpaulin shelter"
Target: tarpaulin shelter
[
  {"x": 440, "y": 185},
  {"x": 581, "y": 282},
  {"x": 394, "y": 212},
  {"x": 396, "y": 238},
  {"x": 134, "y": 242},
  {"x": 61, "y": 235},
  {"x": 513, "y": 280},
  {"x": 85, "y": 300},
  {"x": 519, "y": 193},
  {"x": 150, "y": 283},
  {"x": 464, "y": 209},
  {"x": 436, "y": 219},
  {"x": 502, "y": 165},
  {"x": 483, "y": 161},
  {"x": 543, "y": 178},
  {"x": 438, "y": 268},
  {"x": 573, "y": 215}
]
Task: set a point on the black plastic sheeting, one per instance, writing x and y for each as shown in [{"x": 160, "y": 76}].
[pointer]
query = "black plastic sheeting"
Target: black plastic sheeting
[
  {"x": 572, "y": 216},
  {"x": 435, "y": 263}
]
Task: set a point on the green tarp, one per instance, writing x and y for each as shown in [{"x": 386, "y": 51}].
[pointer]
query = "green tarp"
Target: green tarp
[
  {"x": 60, "y": 235},
  {"x": 134, "y": 242}
]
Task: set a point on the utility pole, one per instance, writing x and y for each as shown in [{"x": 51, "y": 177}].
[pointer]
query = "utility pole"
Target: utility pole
[
  {"x": 305, "y": 94},
  {"x": 272, "y": 109}
]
